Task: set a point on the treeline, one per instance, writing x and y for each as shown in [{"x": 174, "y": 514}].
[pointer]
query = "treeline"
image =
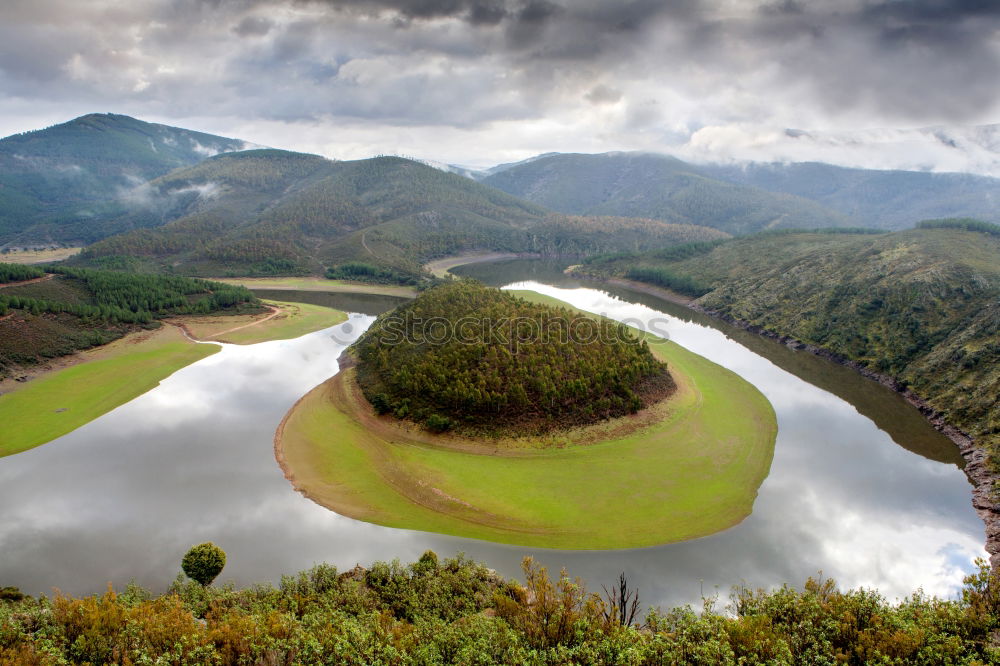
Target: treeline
[
  {"x": 19, "y": 272},
  {"x": 965, "y": 223},
  {"x": 157, "y": 294},
  {"x": 661, "y": 277},
  {"x": 132, "y": 298},
  {"x": 457, "y": 611},
  {"x": 359, "y": 270},
  {"x": 484, "y": 360}
]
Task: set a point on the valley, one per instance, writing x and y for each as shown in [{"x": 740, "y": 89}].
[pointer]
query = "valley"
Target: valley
[{"x": 210, "y": 316}]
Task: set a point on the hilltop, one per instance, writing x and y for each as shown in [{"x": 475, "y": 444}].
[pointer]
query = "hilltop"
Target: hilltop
[
  {"x": 61, "y": 184},
  {"x": 481, "y": 360}
]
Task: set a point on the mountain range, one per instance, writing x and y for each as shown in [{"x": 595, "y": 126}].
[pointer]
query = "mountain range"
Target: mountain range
[
  {"x": 740, "y": 198},
  {"x": 144, "y": 195}
]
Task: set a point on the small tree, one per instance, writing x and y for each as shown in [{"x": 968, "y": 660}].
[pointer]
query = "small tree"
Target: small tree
[{"x": 204, "y": 562}]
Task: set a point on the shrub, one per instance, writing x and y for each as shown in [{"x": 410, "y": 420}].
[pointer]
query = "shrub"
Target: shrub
[
  {"x": 204, "y": 562},
  {"x": 437, "y": 423}
]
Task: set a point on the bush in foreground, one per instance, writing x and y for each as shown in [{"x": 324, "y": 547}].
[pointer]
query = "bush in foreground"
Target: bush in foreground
[{"x": 458, "y": 611}]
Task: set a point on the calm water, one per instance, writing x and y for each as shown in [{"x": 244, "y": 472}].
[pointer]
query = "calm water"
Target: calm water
[{"x": 192, "y": 460}]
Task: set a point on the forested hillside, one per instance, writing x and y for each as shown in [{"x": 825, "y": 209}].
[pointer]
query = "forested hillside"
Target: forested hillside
[
  {"x": 658, "y": 187},
  {"x": 922, "y": 306},
  {"x": 511, "y": 366},
  {"x": 62, "y": 184},
  {"x": 271, "y": 212},
  {"x": 70, "y": 309}
]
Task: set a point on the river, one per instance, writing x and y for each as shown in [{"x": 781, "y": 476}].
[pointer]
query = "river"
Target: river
[{"x": 860, "y": 489}]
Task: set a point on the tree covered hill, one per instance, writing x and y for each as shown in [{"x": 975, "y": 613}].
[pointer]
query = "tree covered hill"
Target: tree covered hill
[
  {"x": 43, "y": 316},
  {"x": 60, "y": 184},
  {"x": 271, "y": 211},
  {"x": 922, "y": 306},
  {"x": 657, "y": 187},
  {"x": 484, "y": 360}
]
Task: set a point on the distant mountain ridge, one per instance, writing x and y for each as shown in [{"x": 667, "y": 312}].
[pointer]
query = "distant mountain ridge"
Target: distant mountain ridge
[
  {"x": 658, "y": 187},
  {"x": 873, "y": 198},
  {"x": 56, "y": 182},
  {"x": 202, "y": 203},
  {"x": 273, "y": 211},
  {"x": 664, "y": 187}
]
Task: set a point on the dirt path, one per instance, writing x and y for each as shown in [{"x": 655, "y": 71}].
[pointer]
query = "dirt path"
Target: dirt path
[
  {"x": 364, "y": 243},
  {"x": 22, "y": 283},
  {"x": 275, "y": 311}
]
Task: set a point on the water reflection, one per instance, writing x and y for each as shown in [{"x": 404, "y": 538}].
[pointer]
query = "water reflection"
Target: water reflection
[{"x": 192, "y": 460}]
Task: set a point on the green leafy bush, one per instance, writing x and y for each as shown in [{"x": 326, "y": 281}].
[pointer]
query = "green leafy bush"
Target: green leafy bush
[
  {"x": 204, "y": 562},
  {"x": 458, "y": 611}
]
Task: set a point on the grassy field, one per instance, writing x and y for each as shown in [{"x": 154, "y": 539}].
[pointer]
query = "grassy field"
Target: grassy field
[
  {"x": 320, "y": 284},
  {"x": 688, "y": 467},
  {"x": 63, "y": 400},
  {"x": 291, "y": 321},
  {"x": 40, "y": 256},
  {"x": 53, "y": 403}
]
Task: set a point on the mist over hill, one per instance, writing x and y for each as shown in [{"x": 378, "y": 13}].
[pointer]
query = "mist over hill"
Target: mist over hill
[{"x": 59, "y": 184}]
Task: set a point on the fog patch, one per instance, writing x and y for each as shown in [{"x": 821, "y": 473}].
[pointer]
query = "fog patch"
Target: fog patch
[
  {"x": 207, "y": 151},
  {"x": 145, "y": 195}
]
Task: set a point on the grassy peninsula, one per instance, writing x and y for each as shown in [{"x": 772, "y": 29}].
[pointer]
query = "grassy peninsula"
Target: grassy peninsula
[{"x": 677, "y": 469}]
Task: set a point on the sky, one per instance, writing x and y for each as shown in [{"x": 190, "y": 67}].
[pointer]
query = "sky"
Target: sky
[{"x": 878, "y": 83}]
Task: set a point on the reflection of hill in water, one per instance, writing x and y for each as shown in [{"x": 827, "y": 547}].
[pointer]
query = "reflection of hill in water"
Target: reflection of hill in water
[{"x": 886, "y": 408}]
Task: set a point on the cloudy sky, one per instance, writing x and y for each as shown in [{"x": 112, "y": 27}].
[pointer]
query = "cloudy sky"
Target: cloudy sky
[{"x": 478, "y": 82}]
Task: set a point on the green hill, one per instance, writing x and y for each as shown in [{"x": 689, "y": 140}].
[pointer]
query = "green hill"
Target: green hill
[
  {"x": 922, "y": 306},
  {"x": 269, "y": 212},
  {"x": 61, "y": 184},
  {"x": 546, "y": 368},
  {"x": 657, "y": 187}
]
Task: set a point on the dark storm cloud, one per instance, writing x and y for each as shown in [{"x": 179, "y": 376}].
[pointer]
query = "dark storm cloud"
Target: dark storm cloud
[
  {"x": 256, "y": 26},
  {"x": 468, "y": 63}
]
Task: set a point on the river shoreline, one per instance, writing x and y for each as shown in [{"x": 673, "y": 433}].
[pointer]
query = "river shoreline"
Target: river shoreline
[{"x": 977, "y": 468}]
